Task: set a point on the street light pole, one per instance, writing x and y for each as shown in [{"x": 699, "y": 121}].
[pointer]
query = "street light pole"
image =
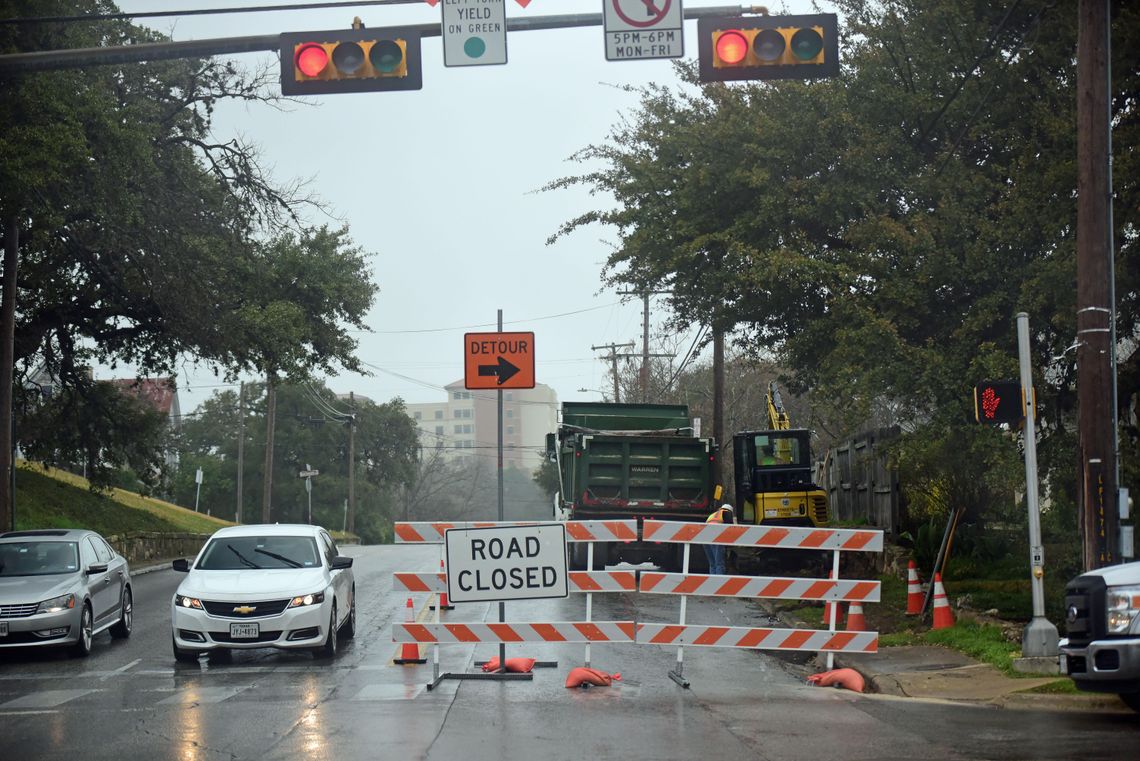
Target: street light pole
[
  {"x": 309, "y": 490},
  {"x": 1039, "y": 639}
]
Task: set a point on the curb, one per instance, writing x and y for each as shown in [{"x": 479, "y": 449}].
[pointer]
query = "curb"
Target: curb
[{"x": 142, "y": 571}]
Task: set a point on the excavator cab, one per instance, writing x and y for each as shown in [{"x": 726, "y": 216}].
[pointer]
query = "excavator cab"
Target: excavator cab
[{"x": 773, "y": 472}]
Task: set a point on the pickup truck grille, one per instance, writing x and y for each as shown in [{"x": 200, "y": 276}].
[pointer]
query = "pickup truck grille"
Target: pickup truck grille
[{"x": 1084, "y": 609}]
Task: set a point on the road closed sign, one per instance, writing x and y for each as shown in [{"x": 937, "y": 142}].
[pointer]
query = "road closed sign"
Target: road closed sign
[
  {"x": 506, "y": 563},
  {"x": 498, "y": 360}
]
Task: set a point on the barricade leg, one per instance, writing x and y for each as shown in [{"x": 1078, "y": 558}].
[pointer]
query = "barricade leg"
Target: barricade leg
[
  {"x": 834, "y": 608},
  {"x": 677, "y": 675}
]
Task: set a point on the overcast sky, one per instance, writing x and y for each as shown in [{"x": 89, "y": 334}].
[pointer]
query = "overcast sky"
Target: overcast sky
[{"x": 441, "y": 185}]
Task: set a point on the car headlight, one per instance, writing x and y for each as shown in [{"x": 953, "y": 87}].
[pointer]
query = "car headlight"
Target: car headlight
[
  {"x": 183, "y": 601},
  {"x": 1123, "y": 606},
  {"x": 302, "y": 600},
  {"x": 56, "y": 604}
]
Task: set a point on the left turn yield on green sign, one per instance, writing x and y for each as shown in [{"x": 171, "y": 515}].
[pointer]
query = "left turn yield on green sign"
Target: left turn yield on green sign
[{"x": 474, "y": 32}]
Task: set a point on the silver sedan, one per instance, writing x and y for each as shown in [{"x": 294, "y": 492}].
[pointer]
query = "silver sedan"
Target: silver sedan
[{"x": 61, "y": 587}]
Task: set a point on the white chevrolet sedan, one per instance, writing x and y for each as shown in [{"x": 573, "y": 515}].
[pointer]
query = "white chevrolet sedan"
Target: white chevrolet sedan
[{"x": 284, "y": 586}]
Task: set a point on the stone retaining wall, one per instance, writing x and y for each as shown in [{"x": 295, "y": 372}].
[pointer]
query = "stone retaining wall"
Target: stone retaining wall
[{"x": 143, "y": 546}]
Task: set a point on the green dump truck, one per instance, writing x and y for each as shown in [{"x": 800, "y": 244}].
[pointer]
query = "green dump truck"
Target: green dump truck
[{"x": 622, "y": 461}]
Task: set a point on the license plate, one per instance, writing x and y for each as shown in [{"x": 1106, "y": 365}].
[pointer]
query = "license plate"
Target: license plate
[
  {"x": 3, "y": 628},
  {"x": 771, "y": 513},
  {"x": 245, "y": 631}
]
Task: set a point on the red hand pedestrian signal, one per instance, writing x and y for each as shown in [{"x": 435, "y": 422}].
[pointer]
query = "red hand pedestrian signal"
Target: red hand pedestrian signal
[{"x": 998, "y": 402}]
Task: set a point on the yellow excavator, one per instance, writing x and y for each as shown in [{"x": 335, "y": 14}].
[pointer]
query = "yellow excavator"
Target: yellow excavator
[{"x": 773, "y": 473}]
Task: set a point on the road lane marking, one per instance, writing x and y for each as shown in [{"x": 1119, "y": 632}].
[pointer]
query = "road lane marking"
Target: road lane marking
[
  {"x": 46, "y": 699},
  {"x": 389, "y": 692},
  {"x": 119, "y": 671},
  {"x": 202, "y": 695}
]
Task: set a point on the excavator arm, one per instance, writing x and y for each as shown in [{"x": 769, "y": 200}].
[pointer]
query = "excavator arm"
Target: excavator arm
[{"x": 777, "y": 416}]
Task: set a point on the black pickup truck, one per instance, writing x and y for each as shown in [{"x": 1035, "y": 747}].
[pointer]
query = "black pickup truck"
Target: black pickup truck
[{"x": 1102, "y": 650}]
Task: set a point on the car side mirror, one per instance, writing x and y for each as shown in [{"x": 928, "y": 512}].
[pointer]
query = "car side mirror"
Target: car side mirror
[
  {"x": 181, "y": 565},
  {"x": 95, "y": 568},
  {"x": 340, "y": 562}
]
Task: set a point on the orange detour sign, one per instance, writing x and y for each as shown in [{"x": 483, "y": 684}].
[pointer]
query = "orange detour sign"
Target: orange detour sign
[{"x": 498, "y": 360}]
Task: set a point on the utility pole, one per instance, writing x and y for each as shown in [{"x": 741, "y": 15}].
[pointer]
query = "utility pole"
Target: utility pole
[
  {"x": 718, "y": 395},
  {"x": 270, "y": 425},
  {"x": 1096, "y": 422},
  {"x": 613, "y": 362},
  {"x": 7, "y": 371},
  {"x": 241, "y": 449},
  {"x": 643, "y": 375},
  {"x": 350, "y": 518}
]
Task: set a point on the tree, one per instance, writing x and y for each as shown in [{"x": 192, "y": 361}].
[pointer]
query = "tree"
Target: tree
[
  {"x": 876, "y": 233},
  {"x": 145, "y": 238},
  {"x": 96, "y": 432},
  {"x": 312, "y": 432}
]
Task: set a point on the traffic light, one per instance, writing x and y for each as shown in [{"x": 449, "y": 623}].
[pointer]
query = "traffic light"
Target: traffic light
[
  {"x": 999, "y": 402},
  {"x": 354, "y": 60},
  {"x": 768, "y": 47}
]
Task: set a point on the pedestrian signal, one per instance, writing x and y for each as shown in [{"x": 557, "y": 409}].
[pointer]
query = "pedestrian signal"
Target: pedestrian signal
[
  {"x": 999, "y": 402},
  {"x": 768, "y": 47},
  {"x": 354, "y": 60}
]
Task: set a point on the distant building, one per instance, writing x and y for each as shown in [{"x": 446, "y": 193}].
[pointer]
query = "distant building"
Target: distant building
[
  {"x": 465, "y": 424},
  {"x": 160, "y": 394}
]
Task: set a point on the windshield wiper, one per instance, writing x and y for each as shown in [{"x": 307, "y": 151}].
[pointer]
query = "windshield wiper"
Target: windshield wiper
[
  {"x": 244, "y": 560},
  {"x": 275, "y": 556}
]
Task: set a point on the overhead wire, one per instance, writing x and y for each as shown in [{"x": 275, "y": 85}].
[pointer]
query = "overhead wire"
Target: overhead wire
[{"x": 123, "y": 15}]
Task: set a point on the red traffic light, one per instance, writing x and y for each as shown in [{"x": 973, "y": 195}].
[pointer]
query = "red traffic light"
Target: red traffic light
[
  {"x": 768, "y": 47},
  {"x": 348, "y": 61},
  {"x": 311, "y": 59},
  {"x": 731, "y": 47}
]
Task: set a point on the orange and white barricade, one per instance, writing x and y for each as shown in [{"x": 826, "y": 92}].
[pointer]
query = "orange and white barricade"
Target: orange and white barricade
[
  {"x": 683, "y": 585},
  {"x": 586, "y": 582},
  {"x": 833, "y": 589}
]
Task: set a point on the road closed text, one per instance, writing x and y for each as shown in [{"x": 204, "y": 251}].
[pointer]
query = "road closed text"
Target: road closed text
[
  {"x": 504, "y": 563},
  {"x": 533, "y": 577}
]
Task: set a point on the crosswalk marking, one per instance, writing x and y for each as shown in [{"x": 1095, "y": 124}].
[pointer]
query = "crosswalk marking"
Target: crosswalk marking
[
  {"x": 389, "y": 692},
  {"x": 45, "y": 699},
  {"x": 202, "y": 695}
]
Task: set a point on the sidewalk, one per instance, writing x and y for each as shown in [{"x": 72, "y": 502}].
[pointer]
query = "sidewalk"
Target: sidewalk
[{"x": 940, "y": 673}]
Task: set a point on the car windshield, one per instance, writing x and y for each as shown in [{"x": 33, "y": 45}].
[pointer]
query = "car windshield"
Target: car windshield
[
  {"x": 38, "y": 558},
  {"x": 231, "y": 553}
]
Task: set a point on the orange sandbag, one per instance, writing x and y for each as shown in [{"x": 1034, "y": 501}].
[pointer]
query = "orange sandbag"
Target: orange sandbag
[
  {"x": 517, "y": 665},
  {"x": 584, "y": 677},
  {"x": 848, "y": 679}
]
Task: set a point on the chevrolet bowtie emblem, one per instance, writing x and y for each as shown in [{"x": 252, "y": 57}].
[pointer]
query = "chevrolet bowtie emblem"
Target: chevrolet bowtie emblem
[{"x": 245, "y": 609}]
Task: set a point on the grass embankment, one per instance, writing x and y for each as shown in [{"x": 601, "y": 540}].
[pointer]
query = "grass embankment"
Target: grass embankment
[
  {"x": 984, "y": 641},
  {"x": 56, "y": 499}
]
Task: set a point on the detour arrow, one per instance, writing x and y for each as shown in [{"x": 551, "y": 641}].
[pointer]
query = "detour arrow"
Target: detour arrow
[{"x": 504, "y": 370}]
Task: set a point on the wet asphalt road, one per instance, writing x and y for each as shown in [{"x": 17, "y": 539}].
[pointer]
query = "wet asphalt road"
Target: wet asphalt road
[{"x": 129, "y": 700}]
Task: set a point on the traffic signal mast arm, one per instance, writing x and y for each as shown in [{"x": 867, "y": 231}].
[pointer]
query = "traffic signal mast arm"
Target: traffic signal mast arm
[{"x": 45, "y": 60}]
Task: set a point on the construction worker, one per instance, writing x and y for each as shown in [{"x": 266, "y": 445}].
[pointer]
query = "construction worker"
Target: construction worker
[
  {"x": 766, "y": 456},
  {"x": 716, "y": 552}
]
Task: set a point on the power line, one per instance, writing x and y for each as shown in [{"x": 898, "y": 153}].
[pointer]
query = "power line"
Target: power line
[
  {"x": 487, "y": 324},
  {"x": 121, "y": 16}
]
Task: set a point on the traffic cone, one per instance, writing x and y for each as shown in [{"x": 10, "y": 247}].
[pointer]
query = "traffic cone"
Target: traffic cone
[
  {"x": 855, "y": 620},
  {"x": 943, "y": 616},
  {"x": 409, "y": 651},
  {"x": 443, "y": 603},
  {"x": 914, "y": 597}
]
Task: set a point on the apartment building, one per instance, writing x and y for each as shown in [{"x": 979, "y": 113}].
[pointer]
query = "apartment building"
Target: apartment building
[{"x": 465, "y": 424}]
